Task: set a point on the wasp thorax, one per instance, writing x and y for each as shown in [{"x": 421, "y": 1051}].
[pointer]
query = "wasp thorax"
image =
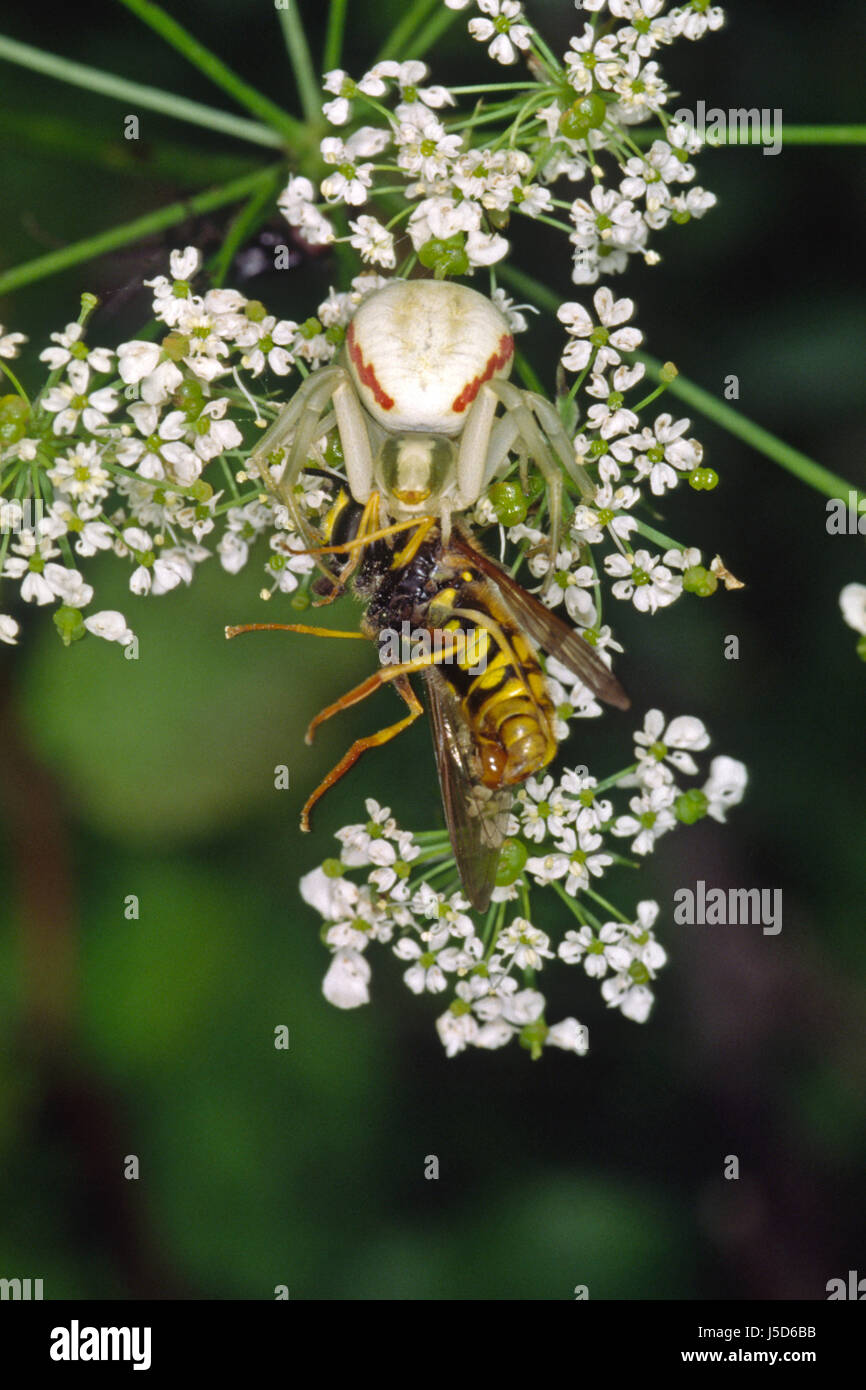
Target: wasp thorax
[{"x": 413, "y": 470}]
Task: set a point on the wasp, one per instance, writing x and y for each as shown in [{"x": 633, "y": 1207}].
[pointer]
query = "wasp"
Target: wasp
[{"x": 437, "y": 355}]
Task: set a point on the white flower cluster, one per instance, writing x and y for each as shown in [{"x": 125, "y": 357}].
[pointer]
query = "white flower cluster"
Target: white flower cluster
[
  {"x": 564, "y": 834},
  {"x": 119, "y": 442},
  {"x": 570, "y": 122}
]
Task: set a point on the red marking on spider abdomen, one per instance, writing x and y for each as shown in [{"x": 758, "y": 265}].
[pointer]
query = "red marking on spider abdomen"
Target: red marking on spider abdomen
[
  {"x": 497, "y": 360},
  {"x": 366, "y": 372}
]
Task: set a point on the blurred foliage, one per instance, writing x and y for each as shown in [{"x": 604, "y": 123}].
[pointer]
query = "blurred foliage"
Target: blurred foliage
[{"x": 156, "y": 778}]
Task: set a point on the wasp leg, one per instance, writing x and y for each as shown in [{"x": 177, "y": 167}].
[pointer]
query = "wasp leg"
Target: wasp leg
[
  {"x": 294, "y": 627},
  {"x": 382, "y": 677},
  {"x": 361, "y": 745}
]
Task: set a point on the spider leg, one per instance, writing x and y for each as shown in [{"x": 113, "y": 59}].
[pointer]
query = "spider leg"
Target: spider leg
[
  {"x": 536, "y": 448},
  {"x": 549, "y": 418}
]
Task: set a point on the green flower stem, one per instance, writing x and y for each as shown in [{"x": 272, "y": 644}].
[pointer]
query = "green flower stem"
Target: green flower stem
[
  {"x": 334, "y": 35},
  {"x": 546, "y": 53},
  {"x": 137, "y": 94},
  {"x": 433, "y": 29},
  {"x": 214, "y": 68},
  {"x": 528, "y": 374},
  {"x": 802, "y": 467},
  {"x": 496, "y": 87},
  {"x": 177, "y": 488},
  {"x": 244, "y": 223},
  {"x": 658, "y": 536},
  {"x": 7, "y": 370},
  {"x": 614, "y": 780},
  {"x": 608, "y": 907},
  {"x": 790, "y": 135},
  {"x": 58, "y": 136},
  {"x": 91, "y": 247},
  {"x": 230, "y": 479},
  {"x": 394, "y": 45},
  {"x": 302, "y": 64},
  {"x": 583, "y": 915}
]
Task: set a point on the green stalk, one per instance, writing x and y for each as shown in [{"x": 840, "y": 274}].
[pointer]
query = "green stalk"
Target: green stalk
[
  {"x": 609, "y": 907},
  {"x": 802, "y": 467},
  {"x": 334, "y": 35},
  {"x": 393, "y": 46},
  {"x": 246, "y": 220},
  {"x": 58, "y": 136},
  {"x": 215, "y": 69},
  {"x": 790, "y": 135},
  {"x": 432, "y": 30},
  {"x": 137, "y": 94},
  {"x": 7, "y": 371},
  {"x": 302, "y": 64},
  {"x": 90, "y": 247},
  {"x": 658, "y": 536}
]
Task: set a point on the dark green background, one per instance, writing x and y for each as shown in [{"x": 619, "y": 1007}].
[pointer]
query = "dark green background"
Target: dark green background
[{"x": 155, "y": 777}]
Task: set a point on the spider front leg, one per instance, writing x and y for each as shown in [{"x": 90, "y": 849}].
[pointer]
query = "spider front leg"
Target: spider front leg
[
  {"x": 483, "y": 447},
  {"x": 306, "y": 418}
]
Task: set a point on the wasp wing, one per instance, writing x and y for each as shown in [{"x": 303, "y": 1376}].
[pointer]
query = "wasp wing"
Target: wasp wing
[
  {"x": 546, "y": 629},
  {"x": 476, "y": 816}
]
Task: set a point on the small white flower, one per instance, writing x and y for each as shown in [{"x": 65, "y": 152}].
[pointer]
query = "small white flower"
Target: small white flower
[
  {"x": 663, "y": 453},
  {"x": 523, "y": 1006},
  {"x": 606, "y": 337},
  {"x": 331, "y": 896},
  {"x": 109, "y": 625},
  {"x": 633, "y": 1001},
  {"x": 70, "y": 345},
  {"x": 502, "y": 27},
  {"x": 524, "y": 943},
  {"x": 344, "y": 89},
  {"x": 374, "y": 242},
  {"x": 642, "y": 579},
  {"x": 9, "y": 630},
  {"x": 351, "y": 181},
  {"x": 185, "y": 264},
  {"x": 597, "y": 953},
  {"x": 651, "y": 818},
  {"x": 655, "y": 742},
  {"x": 852, "y": 601},
  {"x": 725, "y": 786},
  {"x": 425, "y": 975},
  {"x": 10, "y": 343},
  {"x": 71, "y": 399},
  {"x": 456, "y": 1031},
  {"x": 346, "y": 983},
  {"x": 80, "y": 474},
  {"x": 494, "y": 1034},
  {"x": 570, "y": 1035}
]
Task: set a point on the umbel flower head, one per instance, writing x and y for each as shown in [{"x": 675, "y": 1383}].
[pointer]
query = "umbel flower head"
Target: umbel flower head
[{"x": 141, "y": 452}]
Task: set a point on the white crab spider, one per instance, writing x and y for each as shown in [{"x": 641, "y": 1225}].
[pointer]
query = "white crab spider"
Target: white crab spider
[{"x": 425, "y": 369}]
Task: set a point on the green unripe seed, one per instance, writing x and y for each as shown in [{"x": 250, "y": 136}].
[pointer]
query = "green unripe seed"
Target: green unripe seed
[
  {"x": 445, "y": 255},
  {"x": 691, "y": 806},
  {"x": 14, "y": 414},
  {"x": 703, "y": 479},
  {"x": 509, "y": 503},
  {"x": 70, "y": 625},
  {"x": 700, "y": 581},
  {"x": 512, "y": 858}
]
